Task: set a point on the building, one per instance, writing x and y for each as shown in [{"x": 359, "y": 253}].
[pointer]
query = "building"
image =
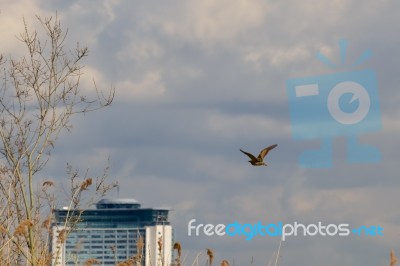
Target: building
[{"x": 113, "y": 232}]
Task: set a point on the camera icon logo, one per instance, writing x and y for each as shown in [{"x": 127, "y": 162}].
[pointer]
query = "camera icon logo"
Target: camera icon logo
[{"x": 339, "y": 104}]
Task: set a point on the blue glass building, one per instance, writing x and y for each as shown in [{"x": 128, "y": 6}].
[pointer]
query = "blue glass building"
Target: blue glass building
[{"x": 110, "y": 233}]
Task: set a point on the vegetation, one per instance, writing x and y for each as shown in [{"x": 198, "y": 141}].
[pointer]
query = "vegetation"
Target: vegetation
[{"x": 39, "y": 94}]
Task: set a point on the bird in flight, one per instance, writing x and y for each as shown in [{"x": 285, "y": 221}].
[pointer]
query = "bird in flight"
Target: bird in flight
[{"x": 258, "y": 161}]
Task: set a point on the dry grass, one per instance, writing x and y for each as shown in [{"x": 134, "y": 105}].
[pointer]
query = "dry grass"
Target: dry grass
[
  {"x": 86, "y": 183},
  {"x": 224, "y": 263},
  {"x": 46, "y": 224},
  {"x": 23, "y": 227},
  {"x": 91, "y": 262},
  {"x": 62, "y": 236},
  {"x": 128, "y": 262},
  {"x": 210, "y": 254},
  {"x": 48, "y": 183},
  {"x": 177, "y": 246},
  {"x": 393, "y": 259},
  {"x": 3, "y": 229}
]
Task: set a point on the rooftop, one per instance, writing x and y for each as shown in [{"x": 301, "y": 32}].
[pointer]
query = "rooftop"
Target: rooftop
[
  {"x": 118, "y": 204},
  {"x": 118, "y": 201}
]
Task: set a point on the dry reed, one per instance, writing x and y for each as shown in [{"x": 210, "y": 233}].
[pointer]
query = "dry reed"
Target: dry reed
[
  {"x": 210, "y": 255},
  {"x": 22, "y": 227},
  {"x": 91, "y": 262},
  {"x": 224, "y": 263},
  {"x": 393, "y": 259}
]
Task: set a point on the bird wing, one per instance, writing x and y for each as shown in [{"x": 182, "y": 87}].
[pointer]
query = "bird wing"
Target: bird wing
[
  {"x": 252, "y": 157},
  {"x": 265, "y": 151}
]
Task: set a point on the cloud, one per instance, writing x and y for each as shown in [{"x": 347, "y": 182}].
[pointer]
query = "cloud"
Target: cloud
[
  {"x": 212, "y": 23},
  {"x": 140, "y": 51},
  {"x": 12, "y": 16},
  {"x": 246, "y": 126},
  {"x": 149, "y": 87},
  {"x": 196, "y": 81}
]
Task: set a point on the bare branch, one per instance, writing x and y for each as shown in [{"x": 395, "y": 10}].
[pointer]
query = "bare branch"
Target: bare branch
[{"x": 39, "y": 94}]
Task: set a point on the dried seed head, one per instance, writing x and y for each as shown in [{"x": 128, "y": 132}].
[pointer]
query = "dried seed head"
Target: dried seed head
[
  {"x": 178, "y": 248},
  {"x": 46, "y": 223},
  {"x": 62, "y": 236},
  {"x": 91, "y": 261},
  {"x": 3, "y": 229},
  {"x": 48, "y": 183},
  {"x": 21, "y": 228},
  {"x": 86, "y": 183},
  {"x": 210, "y": 255},
  {"x": 224, "y": 263},
  {"x": 393, "y": 259}
]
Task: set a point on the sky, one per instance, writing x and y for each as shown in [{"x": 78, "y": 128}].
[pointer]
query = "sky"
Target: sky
[{"x": 198, "y": 80}]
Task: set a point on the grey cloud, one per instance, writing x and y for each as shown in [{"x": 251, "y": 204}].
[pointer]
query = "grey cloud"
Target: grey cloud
[{"x": 219, "y": 85}]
